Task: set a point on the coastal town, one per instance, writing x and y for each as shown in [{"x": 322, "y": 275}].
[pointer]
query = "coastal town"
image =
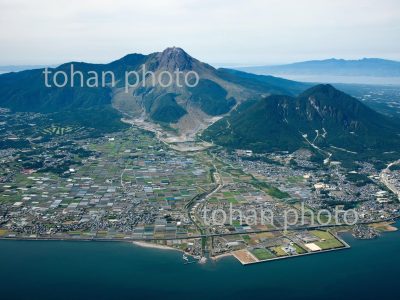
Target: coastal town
[{"x": 64, "y": 182}]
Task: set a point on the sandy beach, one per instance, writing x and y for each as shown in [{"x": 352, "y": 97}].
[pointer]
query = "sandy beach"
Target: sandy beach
[
  {"x": 218, "y": 257},
  {"x": 385, "y": 226},
  {"x": 153, "y": 245}
]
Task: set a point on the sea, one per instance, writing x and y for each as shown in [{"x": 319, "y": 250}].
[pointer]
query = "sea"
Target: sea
[
  {"x": 371, "y": 80},
  {"x": 116, "y": 270}
]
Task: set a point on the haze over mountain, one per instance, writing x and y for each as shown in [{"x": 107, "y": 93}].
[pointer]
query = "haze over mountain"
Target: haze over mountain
[{"x": 335, "y": 67}]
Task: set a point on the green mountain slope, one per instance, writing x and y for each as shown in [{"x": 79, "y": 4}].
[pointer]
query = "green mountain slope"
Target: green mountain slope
[
  {"x": 322, "y": 116},
  {"x": 264, "y": 83},
  {"x": 165, "y": 109},
  {"x": 26, "y": 91},
  {"x": 211, "y": 98}
]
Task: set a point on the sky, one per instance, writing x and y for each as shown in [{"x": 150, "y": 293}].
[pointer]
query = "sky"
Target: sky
[{"x": 219, "y": 32}]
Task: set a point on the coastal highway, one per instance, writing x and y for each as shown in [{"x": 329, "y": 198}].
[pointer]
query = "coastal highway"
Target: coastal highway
[{"x": 299, "y": 228}]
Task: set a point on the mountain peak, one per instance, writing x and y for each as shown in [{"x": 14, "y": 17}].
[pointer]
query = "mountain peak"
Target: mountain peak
[
  {"x": 282, "y": 123},
  {"x": 174, "y": 49},
  {"x": 325, "y": 89},
  {"x": 174, "y": 58}
]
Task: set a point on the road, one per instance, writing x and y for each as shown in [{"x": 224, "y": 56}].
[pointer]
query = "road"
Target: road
[
  {"x": 383, "y": 176},
  {"x": 202, "y": 236},
  {"x": 194, "y": 203}
]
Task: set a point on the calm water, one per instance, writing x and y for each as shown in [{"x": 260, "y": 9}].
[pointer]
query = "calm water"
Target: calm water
[
  {"x": 89, "y": 270},
  {"x": 343, "y": 79}
]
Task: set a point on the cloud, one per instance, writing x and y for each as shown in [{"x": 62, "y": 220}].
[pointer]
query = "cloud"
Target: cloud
[{"x": 225, "y": 31}]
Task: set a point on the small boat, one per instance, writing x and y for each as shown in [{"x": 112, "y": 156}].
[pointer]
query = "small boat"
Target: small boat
[{"x": 185, "y": 257}]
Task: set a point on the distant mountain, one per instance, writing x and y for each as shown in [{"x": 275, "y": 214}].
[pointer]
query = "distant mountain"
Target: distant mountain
[
  {"x": 7, "y": 69},
  {"x": 321, "y": 117},
  {"x": 333, "y": 67},
  {"x": 188, "y": 109}
]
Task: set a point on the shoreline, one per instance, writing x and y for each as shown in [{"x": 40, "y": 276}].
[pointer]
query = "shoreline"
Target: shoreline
[
  {"x": 391, "y": 228},
  {"x": 154, "y": 246},
  {"x": 221, "y": 256},
  {"x": 385, "y": 226}
]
